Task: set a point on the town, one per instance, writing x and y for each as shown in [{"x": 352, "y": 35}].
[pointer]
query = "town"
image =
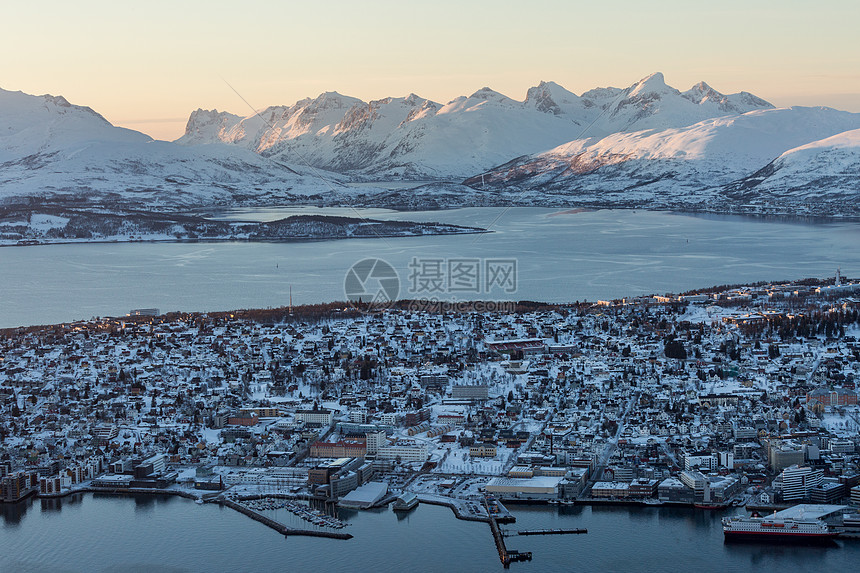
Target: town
[{"x": 734, "y": 395}]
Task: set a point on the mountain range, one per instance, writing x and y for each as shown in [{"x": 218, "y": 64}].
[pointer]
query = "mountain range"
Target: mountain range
[
  {"x": 647, "y": 145},
  {"x": 416, "y": 138}
]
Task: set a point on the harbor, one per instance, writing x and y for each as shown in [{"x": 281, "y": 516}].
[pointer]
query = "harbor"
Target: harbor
[
  {"x": 277, "y": 526},
  {"x": 305, "y": 512},
  {"x": 166, "y": 532}
]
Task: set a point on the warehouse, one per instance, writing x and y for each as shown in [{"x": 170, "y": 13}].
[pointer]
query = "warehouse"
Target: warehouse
[{"x": 541, "y": 487}]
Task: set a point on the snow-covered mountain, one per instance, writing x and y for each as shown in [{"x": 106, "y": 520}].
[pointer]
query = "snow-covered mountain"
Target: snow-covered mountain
[
  {"x": 51, "y": 148},
  {"x": 417, "y": 138},
  {"x": 645, "y": 145},
  {"x": 823, "y": 170},
  {"x": 33, "y": 125},
  {"x": 696, "y": 159}
]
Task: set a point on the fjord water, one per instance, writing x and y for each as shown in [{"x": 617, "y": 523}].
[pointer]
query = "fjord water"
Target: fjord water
[
  {"x": 93, "y": 533},
  {"x": 562, "y": 256}
]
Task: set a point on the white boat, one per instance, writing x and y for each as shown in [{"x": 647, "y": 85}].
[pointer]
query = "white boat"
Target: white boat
[{"x": 776, "y": 528}]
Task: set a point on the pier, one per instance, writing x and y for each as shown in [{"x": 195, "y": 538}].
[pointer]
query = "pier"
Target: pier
[
  {"x": 505, "y": 556},
  {"x": 551, "y": 531}
]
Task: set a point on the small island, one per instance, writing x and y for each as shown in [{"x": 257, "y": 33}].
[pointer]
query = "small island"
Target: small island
[{"x": 51, "y": 225}]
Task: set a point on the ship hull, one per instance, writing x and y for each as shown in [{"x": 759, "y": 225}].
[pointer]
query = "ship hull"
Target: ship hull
[{"x": 780, "y": 537}]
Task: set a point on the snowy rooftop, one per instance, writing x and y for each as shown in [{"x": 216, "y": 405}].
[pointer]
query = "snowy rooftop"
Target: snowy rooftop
[
  {"x": 809, "y": 511},
  {"x": 366, "y": 495},
  {"x": 537, "y": 481}
]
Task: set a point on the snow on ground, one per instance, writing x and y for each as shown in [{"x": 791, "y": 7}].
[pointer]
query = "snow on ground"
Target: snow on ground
[
  {"x": 43, "y": 223},
  {"x": 845, "y": 424}
]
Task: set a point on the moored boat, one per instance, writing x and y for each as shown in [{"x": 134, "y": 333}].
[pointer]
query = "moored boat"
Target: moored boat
[{"x": 776, "y": 529}]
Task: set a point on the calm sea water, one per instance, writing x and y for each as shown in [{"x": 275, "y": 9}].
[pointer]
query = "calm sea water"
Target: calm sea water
[
  {"x": 92, "y": 533},
  {"x": 561, "y": 256}
]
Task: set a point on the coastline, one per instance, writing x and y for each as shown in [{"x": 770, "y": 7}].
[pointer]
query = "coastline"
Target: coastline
[
  {"x": 225, "y": 239},
  {"x": 256, "y": 516}
]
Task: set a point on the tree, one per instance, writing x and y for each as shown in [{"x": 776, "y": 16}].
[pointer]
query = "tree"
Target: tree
[{"x": 675, "y": 349}]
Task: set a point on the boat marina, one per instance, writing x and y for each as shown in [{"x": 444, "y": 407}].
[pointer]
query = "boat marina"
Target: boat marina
[{"x": 307, "y": 513}]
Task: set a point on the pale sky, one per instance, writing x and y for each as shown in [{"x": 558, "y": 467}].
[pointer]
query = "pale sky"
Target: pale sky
[{"x": 147, "y": 65}]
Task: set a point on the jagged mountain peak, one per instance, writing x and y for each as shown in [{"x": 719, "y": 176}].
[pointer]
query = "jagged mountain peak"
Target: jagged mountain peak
[
  {"x": 651, "y": 84},
  {"x": 333, "y": 100},
  {"x": 414, "y": 99},
  {"x": 18, "y": 102},
  {"x": 549, "y": 97},
  {"x": 750, "y": 100},
  {"x": 206, "y": 123},
  {"x": 702, "y": 92}
]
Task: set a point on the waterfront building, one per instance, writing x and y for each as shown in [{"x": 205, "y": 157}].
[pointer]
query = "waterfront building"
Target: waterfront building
[
  {"x": 643, "y": 487},
  {"x": 365, "y": 496},
  {"x": 113, "y": 481},
  {"x": 614, "y": 489},
  {"x": 543, "y": 487},
  {"x": 671, "y": 489},
  {"x": 343, "y": 482},
  {"x": 797, "y": 482},
  {"x": 828, "y": 492},
  {"x": 18, "y": 485},
  {"x": 50, "y": 485},
  {"x": 699, "y": 483}
]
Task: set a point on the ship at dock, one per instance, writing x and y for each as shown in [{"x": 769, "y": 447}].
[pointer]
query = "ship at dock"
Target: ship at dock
[{"x": 801, "y": 523}]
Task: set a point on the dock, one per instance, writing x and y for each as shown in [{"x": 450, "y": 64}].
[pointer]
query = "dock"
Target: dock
[
  {"x": 551, "y": 531},
  {"x": 505, "y": 556}
]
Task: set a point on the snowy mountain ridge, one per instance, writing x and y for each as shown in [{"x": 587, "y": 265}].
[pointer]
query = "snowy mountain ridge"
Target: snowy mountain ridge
[
  {"x": 50, "y": 148},
  {"x": 648, "y": 145},
  {"x": 417, "y": 138},
  {"x": 777, "y": 155}
]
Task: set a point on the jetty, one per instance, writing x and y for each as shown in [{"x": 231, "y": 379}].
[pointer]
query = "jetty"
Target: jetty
[
  {"x": 551, "y": 531},
  {"x": 506, "y": 556}
]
